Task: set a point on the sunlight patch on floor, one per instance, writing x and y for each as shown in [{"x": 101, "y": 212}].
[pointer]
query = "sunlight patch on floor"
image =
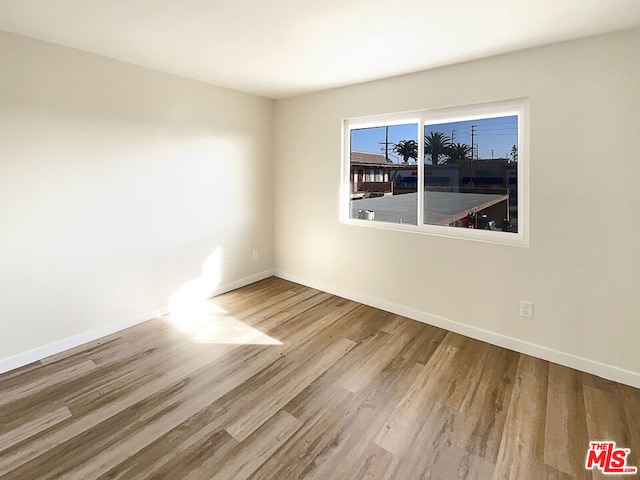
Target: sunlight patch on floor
[
  {"x": 220, "y": 329},
  {"x": 196, "y": 316}
]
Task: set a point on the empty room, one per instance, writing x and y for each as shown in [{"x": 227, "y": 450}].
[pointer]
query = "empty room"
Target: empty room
[{"x": 319, "y": 240}]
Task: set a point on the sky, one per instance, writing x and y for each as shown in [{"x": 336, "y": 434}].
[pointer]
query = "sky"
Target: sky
[{"x": 497, "y": 134}]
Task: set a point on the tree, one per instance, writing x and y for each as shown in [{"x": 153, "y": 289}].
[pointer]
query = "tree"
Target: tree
[
  {"x": 436, "y": 144},
  {"x": 407, "y": 149},
  {"x": 514, "y": 153},
  {"x": 459, "y": 151}
]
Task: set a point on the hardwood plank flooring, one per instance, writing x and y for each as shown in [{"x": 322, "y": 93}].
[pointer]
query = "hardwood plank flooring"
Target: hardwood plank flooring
[{"x": 279, "y": 381}]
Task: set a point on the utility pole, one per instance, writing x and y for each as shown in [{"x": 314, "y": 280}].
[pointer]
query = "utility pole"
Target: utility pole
[
  {"x": 386, "y": 143},
  {"x": 473, "y": 135}
]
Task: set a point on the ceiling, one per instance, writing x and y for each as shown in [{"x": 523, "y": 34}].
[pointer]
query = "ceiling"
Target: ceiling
[{"x": 282, "y": 48}]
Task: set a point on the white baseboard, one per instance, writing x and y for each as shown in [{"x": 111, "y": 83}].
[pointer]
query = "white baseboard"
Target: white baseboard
[
  {"x": 599, "y": 369},
  {"x": 227, "y": 287},
  {"x": 53, "y": 348}
]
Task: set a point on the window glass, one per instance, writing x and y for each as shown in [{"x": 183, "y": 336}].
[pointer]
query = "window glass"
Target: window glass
[
  {"x": 383, "y": 173},
  {"x": 470, "y": 174}
]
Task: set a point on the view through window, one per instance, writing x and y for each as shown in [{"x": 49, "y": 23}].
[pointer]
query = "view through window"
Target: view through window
[
  {"x": 471, "y": 173},
  {"x": 456, "y": 168},
  {"x": 384, "y": 174}
]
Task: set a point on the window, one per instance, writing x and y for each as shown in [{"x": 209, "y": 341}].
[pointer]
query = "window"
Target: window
[{"x": 459, "y": 172}]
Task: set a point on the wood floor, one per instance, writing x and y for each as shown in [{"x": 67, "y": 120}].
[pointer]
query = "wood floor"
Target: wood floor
[{"x": 279, "y": 381}]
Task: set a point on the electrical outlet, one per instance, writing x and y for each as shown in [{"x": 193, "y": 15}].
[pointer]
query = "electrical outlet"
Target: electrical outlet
[
  {"x": 255, "y": 254},
  {"x": 526, "y": 309}
]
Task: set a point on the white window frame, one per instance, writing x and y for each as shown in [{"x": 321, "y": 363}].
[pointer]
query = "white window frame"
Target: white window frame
[{"x": 518, "y": 107}]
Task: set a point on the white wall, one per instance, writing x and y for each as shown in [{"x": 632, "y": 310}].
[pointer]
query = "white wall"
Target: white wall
[
  {"x": 116, "y": 184},
  {"x": 582, "y": 266}
]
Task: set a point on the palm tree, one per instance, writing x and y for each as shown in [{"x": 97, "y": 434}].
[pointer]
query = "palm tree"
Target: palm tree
[
  {"x": 436, "y": 144},
  {"x": 514, "y": 153},
  {"x": 407, "y": 149},
  {"x": 459, "y": 151}
]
